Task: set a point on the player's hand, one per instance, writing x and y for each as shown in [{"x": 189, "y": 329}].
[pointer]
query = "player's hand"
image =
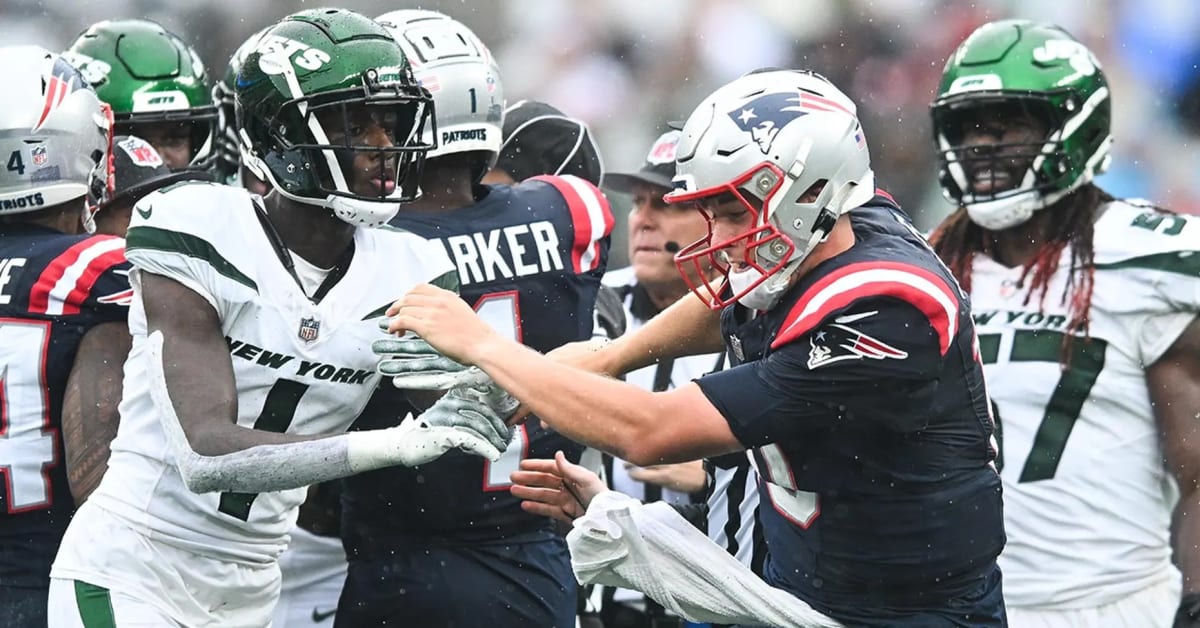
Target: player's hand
[
  {"x": 685, "y": 477},
  {"x": 468, "y": 418},
  {"x": 414, "y": 364},
  {"x": 589, "y": 355},
  {"x": 444, "y": 320},
  {"x": 555, "y": 488}
]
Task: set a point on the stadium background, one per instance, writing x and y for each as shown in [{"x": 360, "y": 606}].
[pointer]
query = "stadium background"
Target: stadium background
[{"x": 629, "y": 66}]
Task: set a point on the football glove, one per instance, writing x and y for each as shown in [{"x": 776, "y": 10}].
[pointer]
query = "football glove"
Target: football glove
[
  {"x": 414, "y": 364},
  {"x": 468, "y": 418}
]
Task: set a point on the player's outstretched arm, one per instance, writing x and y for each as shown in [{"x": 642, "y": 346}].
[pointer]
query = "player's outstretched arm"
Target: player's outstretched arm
[
  {"x": 687, "y": 327},
  {"x": 194, "y": 392},
  {"x": 622, "y": 419},
  {"x": 89, "y": 415},
  {"x": 1174, "y": 383}
]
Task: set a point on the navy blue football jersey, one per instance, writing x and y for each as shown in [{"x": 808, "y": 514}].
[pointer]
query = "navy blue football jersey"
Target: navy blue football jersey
[
  {"x": 862, "y": 396},
  {"x": 53, "y": 288},
  {"x": 530, "y": 258}
]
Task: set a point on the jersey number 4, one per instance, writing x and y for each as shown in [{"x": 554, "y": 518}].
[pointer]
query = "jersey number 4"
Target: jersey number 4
[
  {"x": 502, "y": 310},
  {"x": 1065, "y": 403},
  {"x": 27, "y": 439}
]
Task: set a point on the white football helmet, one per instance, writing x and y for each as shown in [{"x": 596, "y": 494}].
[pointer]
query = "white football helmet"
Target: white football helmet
[
  {"x": 459, "y": 71},
  {"x": 767, "y": 138},
  {"x": 54, "y": 132}
]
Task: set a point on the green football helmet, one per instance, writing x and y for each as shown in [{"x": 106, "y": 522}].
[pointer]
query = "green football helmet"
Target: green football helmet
[
  {"x": 304, "y": 95},
  {"x": 1024, "y": 68},
  {"x": 149, "y": 76}
]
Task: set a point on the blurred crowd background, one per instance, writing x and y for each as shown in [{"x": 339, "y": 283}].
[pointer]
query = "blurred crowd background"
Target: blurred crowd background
[{"x": 627, "y": 67}]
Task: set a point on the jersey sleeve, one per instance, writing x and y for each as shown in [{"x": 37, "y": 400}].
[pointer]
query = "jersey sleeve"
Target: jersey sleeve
[
  {"x": 591, "y": 220},
  {"x": 879, "y": 359},
  {"x": 1155, "y": 256},
  {"x": 176, "y": 233},
  {"x": 91, "y": 275}
]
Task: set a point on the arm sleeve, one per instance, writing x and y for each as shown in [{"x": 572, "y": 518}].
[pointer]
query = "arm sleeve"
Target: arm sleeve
[{"x": 880, "y": 364}]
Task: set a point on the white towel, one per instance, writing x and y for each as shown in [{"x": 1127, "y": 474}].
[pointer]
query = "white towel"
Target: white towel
[{"x": 650, "y": 548}]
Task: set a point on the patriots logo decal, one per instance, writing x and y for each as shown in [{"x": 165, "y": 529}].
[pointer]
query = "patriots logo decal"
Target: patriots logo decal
[
  {"x": 766, "y": 115},
  {"x": 63, "y": 80},
  {"x": 837, "y": 342}
]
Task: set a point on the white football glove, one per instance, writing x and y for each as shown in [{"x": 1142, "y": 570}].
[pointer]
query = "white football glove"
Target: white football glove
[
  {"x": 468, "y": 418},
  {"x": 415, "y": 365}
]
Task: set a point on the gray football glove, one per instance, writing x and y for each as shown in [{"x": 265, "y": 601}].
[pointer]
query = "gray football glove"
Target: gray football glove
[
  {"x": 480, "y": 410},
  {"x": 462, "y": 417},
  {"x": 415, "y": 365}
]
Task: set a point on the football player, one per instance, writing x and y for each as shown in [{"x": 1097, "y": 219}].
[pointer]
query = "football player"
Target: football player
[
  {"x": 1086, "y": 311},
  {"x": 63, "y": 303},
  {"x": 855, "y": 373},
  {"x": 249, "y": 339},
  {"x": 445, "y": 544},
  {"x": 155, "y": 83}
]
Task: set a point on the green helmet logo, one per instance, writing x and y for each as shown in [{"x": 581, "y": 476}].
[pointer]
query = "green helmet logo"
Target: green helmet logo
[
  {"x": 155, "y": 84},
  {"x": 314, "y": 88},
  {"x": 1010, "y": 69}
]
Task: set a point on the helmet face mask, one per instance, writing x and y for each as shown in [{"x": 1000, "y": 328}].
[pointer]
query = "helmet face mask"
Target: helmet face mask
[
  {"x": 788, "y": 147},
  {"x": 321, "y": 142},
  {"x": 705, "y": 265},
  {"x": 156, "y": 84},
  {"x": 1017, "y": 68},
  {"x": 329, "y": 114}
]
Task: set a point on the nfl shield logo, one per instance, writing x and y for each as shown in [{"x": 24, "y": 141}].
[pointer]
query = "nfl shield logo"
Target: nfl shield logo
[
  {"x": 39, "y": 155},
  {"x": 308, "y": 329}
]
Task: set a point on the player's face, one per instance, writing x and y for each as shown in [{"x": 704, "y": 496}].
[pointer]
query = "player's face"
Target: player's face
[
  {"x": 1002, "y": 140},
  {"x": 652, "y": 224},
  {"x": 367, "y": 173},
  {"x": 172, "y": 140},
  {"x": 729, "y": 218}
]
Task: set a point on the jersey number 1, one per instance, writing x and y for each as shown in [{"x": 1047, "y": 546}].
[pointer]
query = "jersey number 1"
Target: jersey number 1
[
  {"x": 502, "y": 310},
  {"x": 277, "y": 414},
  {"x": 27, "y": 447}
]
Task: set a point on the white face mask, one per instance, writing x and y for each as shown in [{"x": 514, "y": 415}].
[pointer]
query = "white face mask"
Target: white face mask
[{"x": 764, "y": 296}]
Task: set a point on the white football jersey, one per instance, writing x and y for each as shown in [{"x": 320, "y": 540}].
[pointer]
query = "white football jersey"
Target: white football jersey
[
  {"x": 1087, "y": 497},
  {"x": 300, "y": 367}
]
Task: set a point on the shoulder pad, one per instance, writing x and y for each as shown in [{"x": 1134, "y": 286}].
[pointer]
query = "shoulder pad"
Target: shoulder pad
[
  {"x": 841, "y": 288},
  {"x": 1128, "y": 230},
  {"x": 196, "y": 224},
  {"x": 591, "y": 218},
  {"x": 90, "y": 264}
]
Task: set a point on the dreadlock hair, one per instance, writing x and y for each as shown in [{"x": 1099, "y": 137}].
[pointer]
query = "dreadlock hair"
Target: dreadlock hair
[{"x": 957, "y": 240}]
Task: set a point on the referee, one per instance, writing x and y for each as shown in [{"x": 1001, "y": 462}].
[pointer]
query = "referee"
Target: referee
[{"x": 720, "y": 495}]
